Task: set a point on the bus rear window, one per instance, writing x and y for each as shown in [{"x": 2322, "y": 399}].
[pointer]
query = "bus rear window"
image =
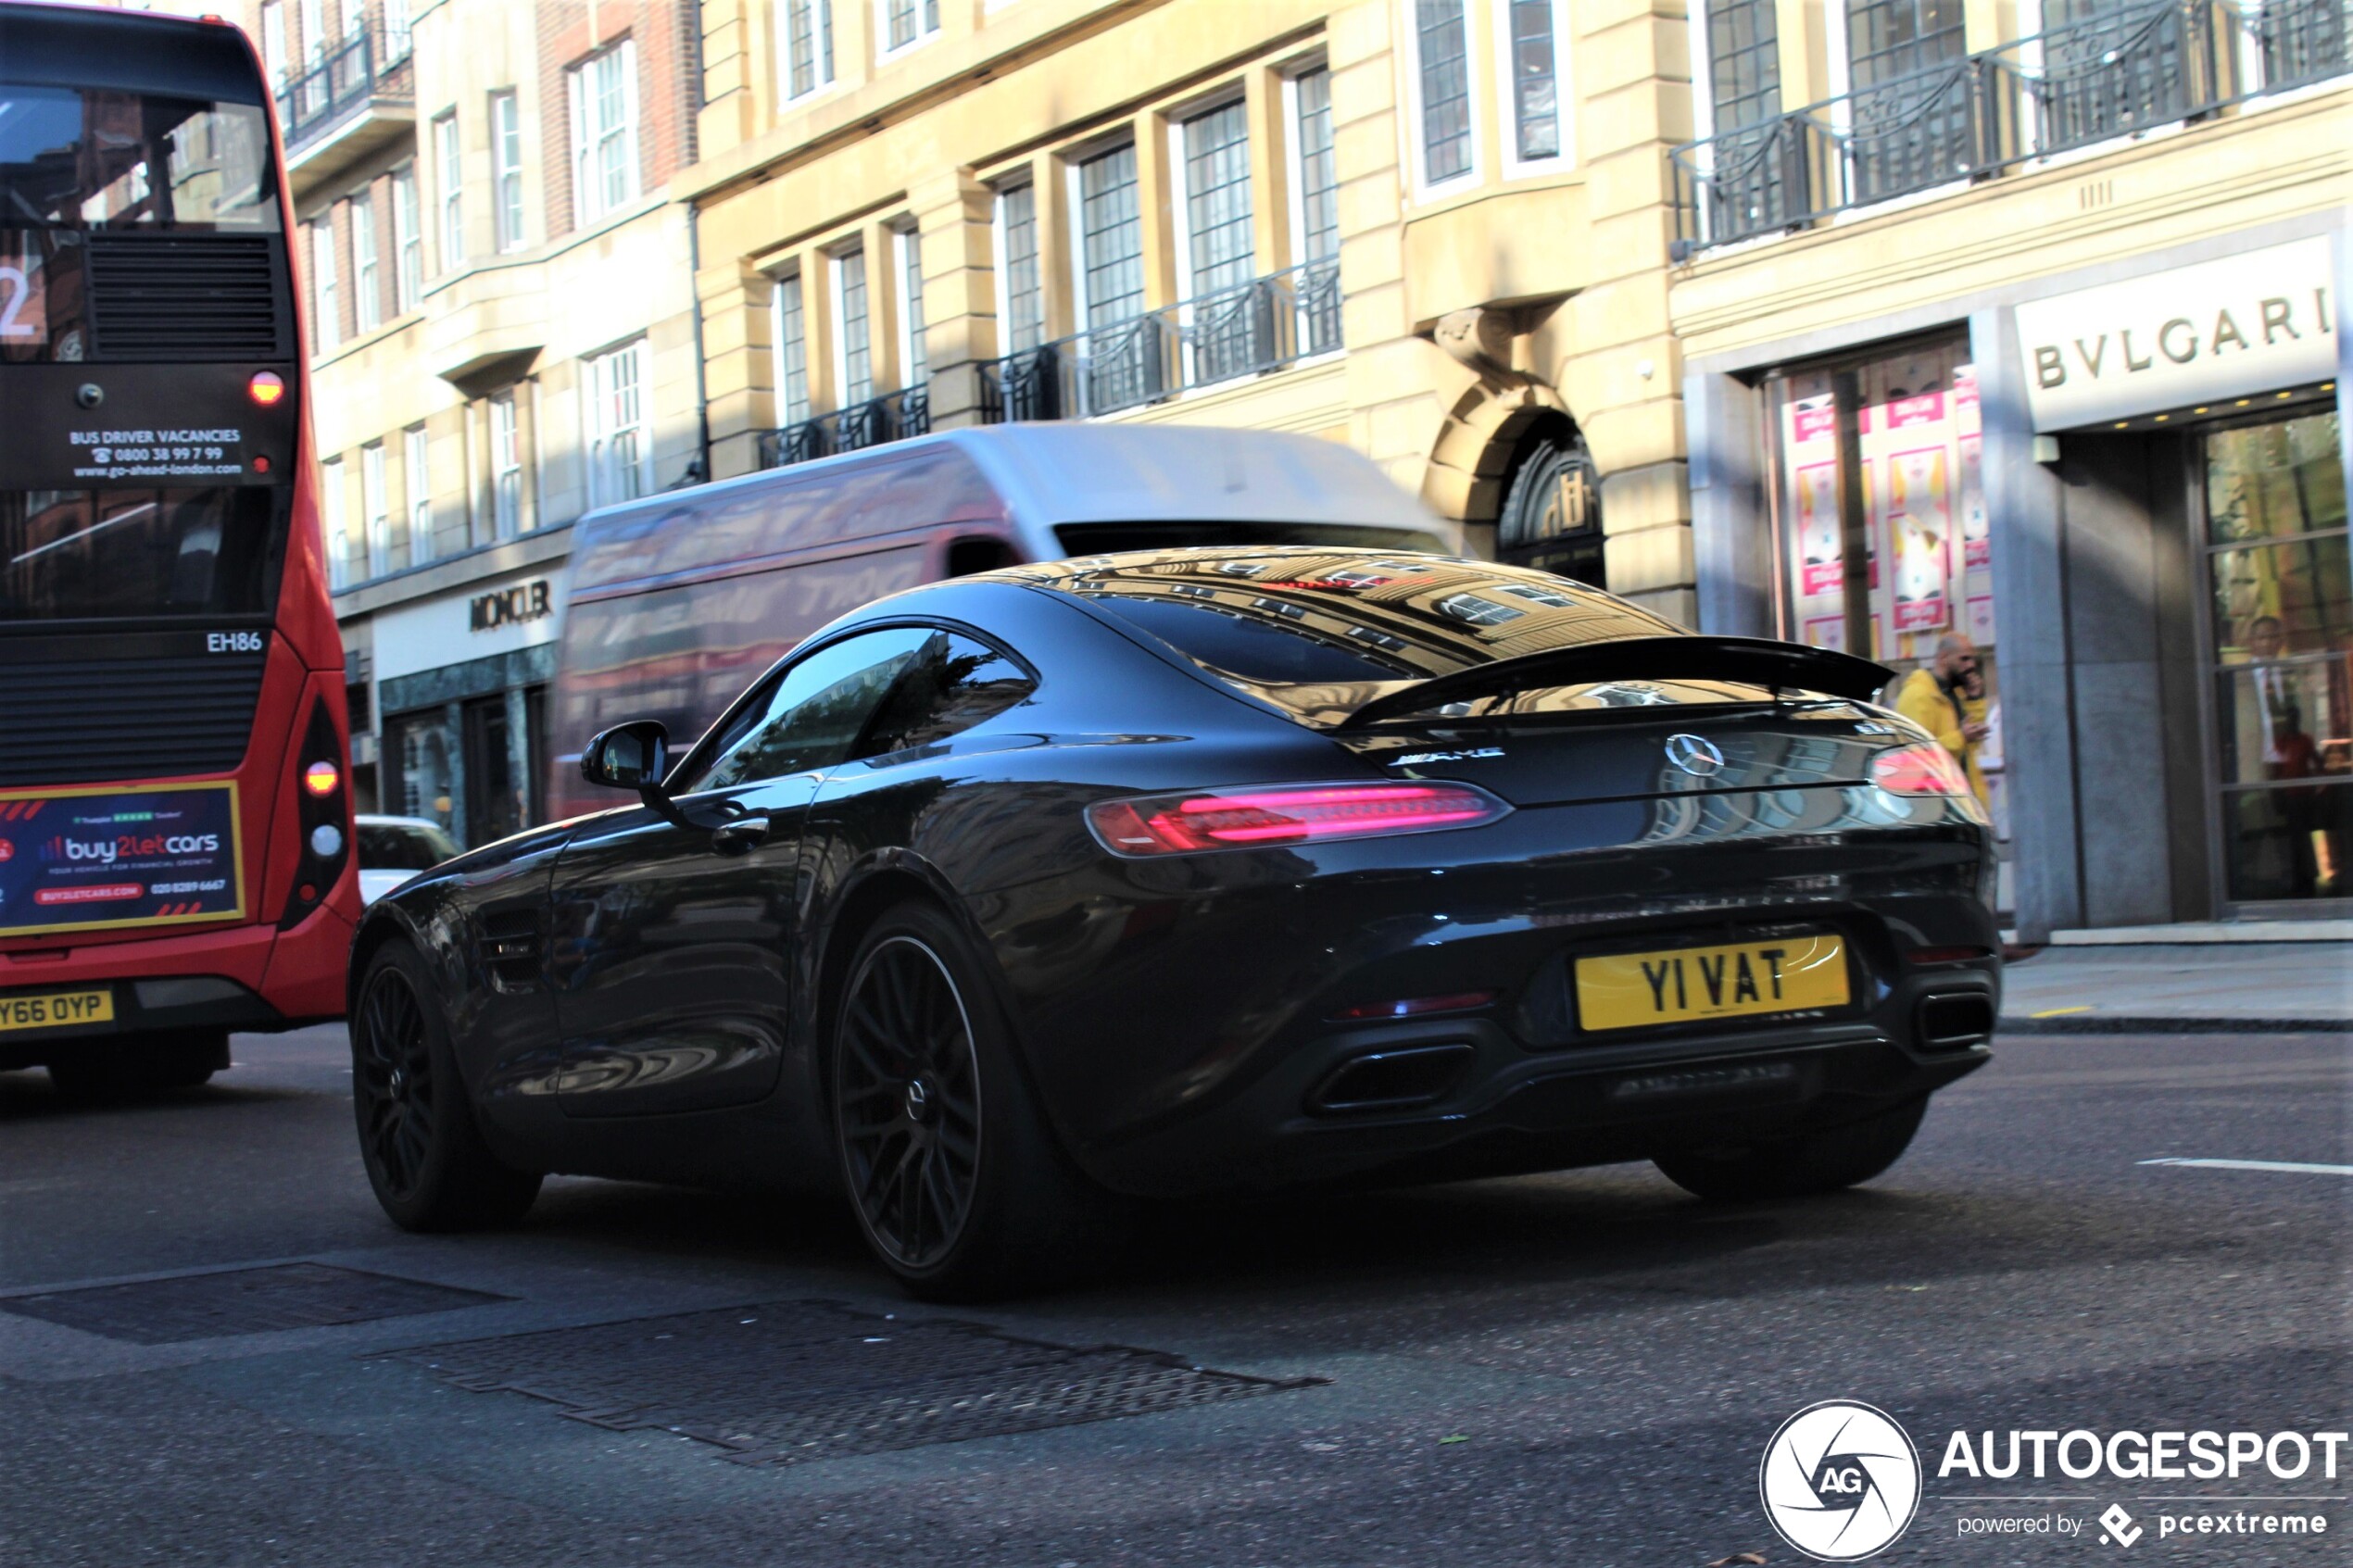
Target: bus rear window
[
  {"x": 127, "y": 554},
  {"x": 99, "y": 159}
]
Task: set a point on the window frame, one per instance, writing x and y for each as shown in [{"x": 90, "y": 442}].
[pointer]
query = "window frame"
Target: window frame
[
  {"x": 1000, "y": 236},
  {"x": 1563, "y": 95},
  {"x": 603, "y": 473},
  {"x": 1295, "y": 160},
  {"x": 825, "y": 70},
  {"x": 1183, "y": 234},
  {"x": 375, "y": 509},
  {"x": 334, "y": 522},
  {"x": 846, "y": 394},
  {"x": 507, "y": 223},
  {"x": 1082, "y": 287},
  {"x": 591, "y": 202},
  {"x": 408, "y": 242},
  {"x": 367, "y": 287},
  {"x": 906, "y": 254},
  {"x": 927, "y": 27},
  {"x": 449, "y": 156},
  {"x": 416, "y": 466},
  {"x": 1417, "y": 131},
  {"x": 504, "y": 448},
  {"x": 786, "y": 349},
  {"x": 326, "y": 297}
]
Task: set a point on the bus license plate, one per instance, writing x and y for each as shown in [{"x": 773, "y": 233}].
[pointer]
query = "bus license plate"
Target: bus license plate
[
  {"x": 1684, "y": 984},
  {"x": 50, "y": 1008}
]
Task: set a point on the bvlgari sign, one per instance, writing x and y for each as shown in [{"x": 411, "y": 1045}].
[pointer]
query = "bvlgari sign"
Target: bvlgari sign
[{"x": 2262, "y": 321}]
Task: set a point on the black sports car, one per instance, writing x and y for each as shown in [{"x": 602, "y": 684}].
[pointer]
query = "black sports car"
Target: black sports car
[{"x": 1166, "y": 873}]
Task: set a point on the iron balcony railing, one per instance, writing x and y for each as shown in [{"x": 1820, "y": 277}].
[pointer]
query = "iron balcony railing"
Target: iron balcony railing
[
  {"x": 1224, "y": 335},
  {"x": 2075, "y": 86},
  {"x": 892, "y": 417},
  {"x": 338, "y": 84}
]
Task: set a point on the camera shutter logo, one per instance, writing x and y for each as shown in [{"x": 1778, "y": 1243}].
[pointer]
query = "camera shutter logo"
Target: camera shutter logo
[
  {"x": 1696, "y": 754},
  {"x": 1841, "y": 1481}
]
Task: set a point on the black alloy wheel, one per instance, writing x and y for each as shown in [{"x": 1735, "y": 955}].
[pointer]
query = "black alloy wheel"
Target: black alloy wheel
[
  {"x": 392, "y": 1082},
  {"x": 907, "y": 1096},
  {"x": 426, "y": 1157}
]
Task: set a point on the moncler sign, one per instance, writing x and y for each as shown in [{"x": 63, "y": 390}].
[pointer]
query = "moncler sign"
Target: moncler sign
[{"x": 2262, "y": 321}]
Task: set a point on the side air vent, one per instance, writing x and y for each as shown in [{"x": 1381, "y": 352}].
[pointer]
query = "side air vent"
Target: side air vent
[
  {"x": 172, "y": 298},
  {"x": 510, "y": 949},
  {"x": 104, "y": 719}
]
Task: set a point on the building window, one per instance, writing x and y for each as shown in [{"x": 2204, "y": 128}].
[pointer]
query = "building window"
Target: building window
[
  {"x": 1744, "y": 63},
  {"x": 506, "y": 170},
  {"x": 367, "y": 285},
  {"x": 332, "y": 523},
  {"x": 314, "y": 30},
  {"x": 1111, "y": 238},
  {"x": 617, "y": 425},
  {"x": 1442, "y": 36},
  {"x": 906, "y": 22},
  {"x": 450, "y": 164},
  {"x": 408, "y": 243},
  {"x": 1893, "y": 38},
  {"x": 397, "y": 41},
  {"x": 326, "y": 300},
  {"x": 417, "y": 479},
  {"x": 375, "y": 508},
  {"x": 852, "y": 328},
  {"x": 1220, "y": 254},
  {"x": 809, "y": 46},
  {"x": 1024, "y": 303},
  {"x": 506, "y": 467},
  {"x": 914, "y": 361},
  {"x": 792, "y": 352},
  {"x": 1318, "y": 183},
  {"x": 604, "y": 132},
  {"x": 273, "y": 42},
  {"x": 1531, "y": 41}
]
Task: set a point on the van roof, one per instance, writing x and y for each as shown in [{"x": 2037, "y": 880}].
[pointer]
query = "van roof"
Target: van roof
[{"x": 1080, "y": 471}]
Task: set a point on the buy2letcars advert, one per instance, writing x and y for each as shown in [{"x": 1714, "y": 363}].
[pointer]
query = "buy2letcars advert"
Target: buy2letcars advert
[{"x": 99, "y": 858}]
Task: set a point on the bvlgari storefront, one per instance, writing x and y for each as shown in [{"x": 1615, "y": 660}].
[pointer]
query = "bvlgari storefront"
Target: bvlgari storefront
[{"x": 2127, "y": 489}]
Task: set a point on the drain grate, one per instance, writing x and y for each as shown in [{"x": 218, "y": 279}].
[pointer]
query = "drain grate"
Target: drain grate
[
  {"x": 787, "y": 1382},
  {"x": 165, "y": 1311}
]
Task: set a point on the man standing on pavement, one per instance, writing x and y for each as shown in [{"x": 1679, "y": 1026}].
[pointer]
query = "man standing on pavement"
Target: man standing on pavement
[{"x": 1933, "y": 696}]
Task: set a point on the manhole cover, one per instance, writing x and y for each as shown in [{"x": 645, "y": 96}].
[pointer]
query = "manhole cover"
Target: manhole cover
[
  {"x": 165, "y": 1311},
  {"x": 786, "y": 1382}
]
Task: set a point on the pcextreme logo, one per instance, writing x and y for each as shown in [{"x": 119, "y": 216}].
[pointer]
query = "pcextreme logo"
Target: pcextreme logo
[{"x": 1840, "y": 1481}]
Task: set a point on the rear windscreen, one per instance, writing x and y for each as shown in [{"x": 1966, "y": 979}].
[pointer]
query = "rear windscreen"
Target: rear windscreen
[
  {"x": 1322, "y": 632},
  {"x": 98, "y": 158},
  {"x": 130, "y": 554}
]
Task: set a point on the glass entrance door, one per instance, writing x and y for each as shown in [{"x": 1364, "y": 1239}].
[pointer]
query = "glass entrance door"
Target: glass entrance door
[{"x": 2279, "y": 589}]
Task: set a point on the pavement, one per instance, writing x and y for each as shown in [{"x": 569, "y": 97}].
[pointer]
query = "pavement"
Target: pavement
[
  {"x": 1577, "y": 1368},
  {"x": 2146, "y": 986}
]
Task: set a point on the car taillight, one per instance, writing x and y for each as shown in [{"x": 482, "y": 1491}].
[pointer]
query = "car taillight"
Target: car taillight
[
  {"x": 1925, "y": 769},
  {"x": 1284, "y": 814}
]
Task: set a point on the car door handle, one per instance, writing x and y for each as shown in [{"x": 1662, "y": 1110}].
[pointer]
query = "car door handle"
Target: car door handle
[{"x": 737, "y": 836}]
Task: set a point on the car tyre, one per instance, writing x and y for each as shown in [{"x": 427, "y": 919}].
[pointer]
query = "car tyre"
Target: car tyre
[
  {"x": 110, "y": 1070},
  {"x": 1824, "y": 1161},
  {"x": 958, "y": 1186},
  {"x": 425, "y": 1155}
]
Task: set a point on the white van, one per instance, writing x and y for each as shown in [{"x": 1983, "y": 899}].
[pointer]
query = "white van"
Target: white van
[{"x": 675, "y": 602}]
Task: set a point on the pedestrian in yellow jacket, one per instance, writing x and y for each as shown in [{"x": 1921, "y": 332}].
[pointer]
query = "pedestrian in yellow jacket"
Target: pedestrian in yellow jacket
[{"x": 1935, "y": 697}]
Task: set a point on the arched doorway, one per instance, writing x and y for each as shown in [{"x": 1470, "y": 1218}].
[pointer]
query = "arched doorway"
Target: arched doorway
[{"x": 1550, "y": 517}]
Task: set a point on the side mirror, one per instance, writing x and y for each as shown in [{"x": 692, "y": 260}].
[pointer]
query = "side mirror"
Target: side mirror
[{"x": 632, "y": 755}]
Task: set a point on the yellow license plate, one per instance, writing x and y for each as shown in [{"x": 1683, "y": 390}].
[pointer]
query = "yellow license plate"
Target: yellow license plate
[
  {"x": 50, "y": 1008},
  {"x": 1680, "y": 985}
]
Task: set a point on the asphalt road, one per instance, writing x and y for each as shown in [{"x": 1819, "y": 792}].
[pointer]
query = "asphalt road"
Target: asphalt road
[{"x": 1581, "y": 1369}]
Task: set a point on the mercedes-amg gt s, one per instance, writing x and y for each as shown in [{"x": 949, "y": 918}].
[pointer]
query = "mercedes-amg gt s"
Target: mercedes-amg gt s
[{"x": 1176, "y": 871}]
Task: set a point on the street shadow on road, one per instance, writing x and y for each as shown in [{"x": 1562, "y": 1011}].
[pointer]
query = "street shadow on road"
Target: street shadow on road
[{"x": 30, "y": 1097}]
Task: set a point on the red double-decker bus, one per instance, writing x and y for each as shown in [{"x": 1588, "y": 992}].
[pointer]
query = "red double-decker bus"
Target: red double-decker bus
[{"x": 175, "y": 821}]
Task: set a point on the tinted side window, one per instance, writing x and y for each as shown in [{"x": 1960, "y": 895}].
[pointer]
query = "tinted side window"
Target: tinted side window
[
  {"x": 810, "y": 716},
  {"x": 954, "y": 683}
]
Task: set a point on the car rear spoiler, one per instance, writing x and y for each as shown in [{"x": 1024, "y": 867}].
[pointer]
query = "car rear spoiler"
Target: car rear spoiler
[{"x": 1752, "y": 661}]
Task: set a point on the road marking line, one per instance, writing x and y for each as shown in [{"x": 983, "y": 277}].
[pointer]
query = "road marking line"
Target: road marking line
[
  {"x": 2296, "y": 1166},
  {"x": 2058, "y": 1012}
]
